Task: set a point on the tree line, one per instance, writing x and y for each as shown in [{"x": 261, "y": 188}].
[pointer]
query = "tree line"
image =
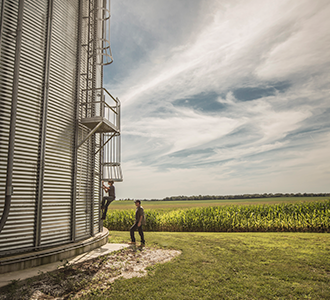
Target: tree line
[{"x": 242, "y": 196}]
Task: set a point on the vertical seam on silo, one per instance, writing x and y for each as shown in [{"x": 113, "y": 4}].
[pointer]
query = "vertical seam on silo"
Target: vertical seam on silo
[
  {"x": 11, "y": 144},
  {"x": 44, "y": 110},
  {"x": 101, "y": 141},
  {"x": 1, "y": 21},
  {"x": 75, "y": 150},
  {"x": 96, "y": 6}
]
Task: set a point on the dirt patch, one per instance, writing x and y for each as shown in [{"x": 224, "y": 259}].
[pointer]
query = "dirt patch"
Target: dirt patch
[{"x": 90, "y": 277}]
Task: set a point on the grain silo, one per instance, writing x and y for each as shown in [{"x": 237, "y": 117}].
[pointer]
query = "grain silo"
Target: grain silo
[{"x": 59, "y": 128}]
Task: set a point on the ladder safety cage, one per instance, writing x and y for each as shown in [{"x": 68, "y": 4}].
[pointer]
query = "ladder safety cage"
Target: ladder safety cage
[
  {"x": 99, "y": 111},
  {"x": 111, "y": 157},
  {"x": 98, "y": 18},
  {"x": 105, "y": 23}
]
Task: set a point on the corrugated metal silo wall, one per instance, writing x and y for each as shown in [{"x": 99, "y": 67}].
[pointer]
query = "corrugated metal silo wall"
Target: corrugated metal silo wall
[
  {"x": 85, "y": 157},
  {"x": 6, "y": 84},
  {"x": 19, "y": 229},
  {"x": 83, "y": 203},
  {"x": 26, "y": 152},
  {"x": 56, "y": 216},
  {"x": 96, "y": 191},
  {"x": 56, "y": 210}
]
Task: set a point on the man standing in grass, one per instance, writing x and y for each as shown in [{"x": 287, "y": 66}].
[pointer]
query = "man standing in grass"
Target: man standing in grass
[{"x": 139, "y": 221}]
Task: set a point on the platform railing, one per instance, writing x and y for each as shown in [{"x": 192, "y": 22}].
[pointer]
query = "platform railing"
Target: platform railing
[{"x": 104, "y": 106}]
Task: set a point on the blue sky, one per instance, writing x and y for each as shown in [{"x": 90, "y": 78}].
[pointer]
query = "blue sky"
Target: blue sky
[{"x": 221, "y": 97}]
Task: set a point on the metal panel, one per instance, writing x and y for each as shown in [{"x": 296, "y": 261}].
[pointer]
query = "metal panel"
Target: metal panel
[
  {"x": 19, "y": 230},
  {"x": 84, "y": 157},
  {"x": 28, "y": 123},
  {"x": 88, "y": 183},
  {"x": 1, "y": 3},
  {"x": 97, "y": 178},
  {"x": 6, "y": 80},
  {"x": 7, "y": 45},
  {"x": 43, "y": 126},
  {"x": 56, "y": 210},
  {"x": 83, "y": 201}
]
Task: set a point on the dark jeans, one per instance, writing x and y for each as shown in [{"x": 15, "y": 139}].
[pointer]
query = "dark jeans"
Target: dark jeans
[
  {"x": 104, "y": 206},
  {"x": 133, "y": 228}
]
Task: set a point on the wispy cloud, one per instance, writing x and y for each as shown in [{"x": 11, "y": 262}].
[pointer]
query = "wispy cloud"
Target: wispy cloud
[{"x": 239, "y": 96}]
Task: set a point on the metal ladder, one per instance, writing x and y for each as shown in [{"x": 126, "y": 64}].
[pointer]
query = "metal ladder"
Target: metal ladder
[{"x": 99, "y": 111}]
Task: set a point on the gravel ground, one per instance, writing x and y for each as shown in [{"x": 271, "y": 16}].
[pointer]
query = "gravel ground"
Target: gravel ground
[{"x": 90, "y": 277}]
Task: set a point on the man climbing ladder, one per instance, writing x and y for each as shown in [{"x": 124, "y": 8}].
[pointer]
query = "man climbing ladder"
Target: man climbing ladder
[{"x": 106, "y": 200}]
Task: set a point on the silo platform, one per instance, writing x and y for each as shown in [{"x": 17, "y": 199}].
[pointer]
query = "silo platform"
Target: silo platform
[
  {"x": 52, "y": 255},
  {"x": 105, "y": 124}
]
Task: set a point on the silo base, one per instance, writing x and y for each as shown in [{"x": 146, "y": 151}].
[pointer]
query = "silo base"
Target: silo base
[{"x": 50, "y": 255}]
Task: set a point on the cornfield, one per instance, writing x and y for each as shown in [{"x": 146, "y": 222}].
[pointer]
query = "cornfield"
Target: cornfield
[{"x": 298, "y": 217}]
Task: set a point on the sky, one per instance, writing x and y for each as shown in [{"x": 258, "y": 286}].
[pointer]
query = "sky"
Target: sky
[{"x": 221, "y": 97}]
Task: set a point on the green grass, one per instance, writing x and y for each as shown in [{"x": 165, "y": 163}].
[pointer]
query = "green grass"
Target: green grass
[
  {"x": 171, "y": 205},
  {"x": 302, "y": 216},
  {"x": 232, "y": 266}
]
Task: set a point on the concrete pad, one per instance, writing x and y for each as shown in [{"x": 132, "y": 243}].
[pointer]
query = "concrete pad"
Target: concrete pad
[
  {"x": 48, "y": 255},
  {"x": 7, "y": 278}
]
